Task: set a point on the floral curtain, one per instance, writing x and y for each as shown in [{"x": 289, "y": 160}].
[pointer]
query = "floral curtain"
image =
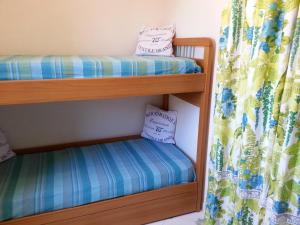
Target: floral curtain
[{"x": 254, "y": 166}]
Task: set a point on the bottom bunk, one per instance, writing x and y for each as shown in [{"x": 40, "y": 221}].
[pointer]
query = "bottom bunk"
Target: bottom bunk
[{"x": 74, "y": 180}]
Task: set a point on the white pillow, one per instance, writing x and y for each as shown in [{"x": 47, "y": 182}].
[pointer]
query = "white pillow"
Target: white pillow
[
  {"x": 156, "y": 41},
  {"x": 5, "y": 150},
  {"x": 160, "y": 125}
]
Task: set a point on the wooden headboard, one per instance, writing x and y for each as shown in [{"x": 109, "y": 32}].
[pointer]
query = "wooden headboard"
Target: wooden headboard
[{"x": 192, "y": 47}]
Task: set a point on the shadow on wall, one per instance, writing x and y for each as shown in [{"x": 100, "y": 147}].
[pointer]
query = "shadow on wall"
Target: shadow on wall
[{"x": 56, "y": 123}]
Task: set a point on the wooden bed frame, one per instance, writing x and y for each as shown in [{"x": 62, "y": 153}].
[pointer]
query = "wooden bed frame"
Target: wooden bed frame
[{"x": 139, "y": 208}]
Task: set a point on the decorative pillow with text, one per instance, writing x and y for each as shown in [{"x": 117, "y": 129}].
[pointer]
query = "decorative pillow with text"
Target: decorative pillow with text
[
  {"x": 156, "y": 41},
  {"x": 160, "y": 125}
]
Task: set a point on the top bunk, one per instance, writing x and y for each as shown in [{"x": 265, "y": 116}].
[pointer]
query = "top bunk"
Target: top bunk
[{"x": 41, "y": 79}]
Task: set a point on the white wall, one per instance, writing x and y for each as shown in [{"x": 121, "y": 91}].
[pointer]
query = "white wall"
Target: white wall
[
  {"x": 194, "y": 18},
  {"x": 56, "y": 123},
  {"x": 88, "y": 27}
]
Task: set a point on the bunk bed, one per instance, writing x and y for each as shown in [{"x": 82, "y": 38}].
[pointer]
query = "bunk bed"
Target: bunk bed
[{"x": 146, "y": 196}]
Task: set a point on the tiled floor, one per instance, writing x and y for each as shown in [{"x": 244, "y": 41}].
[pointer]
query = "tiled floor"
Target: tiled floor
[{"x": 189, "y": 219}]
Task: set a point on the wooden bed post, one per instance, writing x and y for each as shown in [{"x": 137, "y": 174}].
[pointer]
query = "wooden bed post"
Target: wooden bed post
[
  {"x": 203, "y": 132},
  {"x": 165, "y": 104},
  {"x": 202, "y": 100}
]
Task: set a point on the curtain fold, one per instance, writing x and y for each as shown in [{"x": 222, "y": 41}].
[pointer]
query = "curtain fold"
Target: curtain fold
[{"x": 254, "y": 166}]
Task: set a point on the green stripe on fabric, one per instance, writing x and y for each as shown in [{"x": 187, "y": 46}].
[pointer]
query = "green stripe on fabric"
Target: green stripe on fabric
[
  {"x": 142, "y": 68},
  {"x": 107, "y": 67},
  {"x": 24, "y": 68},
  {"x": 174, "y": 67},
  {"x": 68, "y": 69}
]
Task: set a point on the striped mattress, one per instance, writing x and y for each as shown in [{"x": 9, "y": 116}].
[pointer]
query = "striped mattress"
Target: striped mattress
[
  {"x": 62, "y": 67},
  {"x": 42, "y": 182}
]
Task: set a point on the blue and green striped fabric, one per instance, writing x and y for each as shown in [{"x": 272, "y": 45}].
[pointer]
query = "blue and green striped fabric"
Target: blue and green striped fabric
[
  {"x": 43, "y": 182},
  {"x": 62, "y": 67}
]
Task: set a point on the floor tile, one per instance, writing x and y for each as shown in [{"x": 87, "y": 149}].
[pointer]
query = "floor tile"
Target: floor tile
[
  {"x": 189, "y": 219},
  {"x": 157, "y": 223}
]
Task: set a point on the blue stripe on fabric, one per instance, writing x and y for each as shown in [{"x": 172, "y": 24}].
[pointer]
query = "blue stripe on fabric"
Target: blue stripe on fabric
[
  {"x": 36, "y": 69},
  {"x": 124, "y": 164},
  {"x": 88, "y": 154},
  {"x": 88, "y": 68},
  {"x": 151, "y": 161},
  {"x": 169, "y": 160},
  {"x": 181, "y": 160},
  {"x": 6, "y": 61},
  {"x": 58, "y": 180},
  {"x": 27, "y": 182},
  {"x": 158, "y": 67},
  {"x": 126, "y": 68},
  {"x": 182, "y": 67},
  {"x": 85, "y": 187},
  {"x": 73, "y": 170},
  {"x": 49, "y": 185},
  {"x": 190, "y": 67},
  {"x": 138, "y": 176},
  {"x": 150, "y": 176},
  {"x": 3, "y": 71},
  {"x": 117, "y": 174},
  {"x": 166, "y": 170},
  {"x": 47, "y": 66},
  {"x": 103, "y": 173},
  {"x": 58, "y": 68},
  {"x": 66, "y": 159}
]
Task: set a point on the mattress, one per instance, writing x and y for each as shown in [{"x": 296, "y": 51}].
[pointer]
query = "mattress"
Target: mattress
[
  {"x": 42, "y": 182},
  {"x": 62, "y": 67}
]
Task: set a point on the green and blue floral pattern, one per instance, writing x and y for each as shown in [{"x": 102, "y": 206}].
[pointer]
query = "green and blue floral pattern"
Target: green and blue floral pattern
[{"x": 254, "y": 167}]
